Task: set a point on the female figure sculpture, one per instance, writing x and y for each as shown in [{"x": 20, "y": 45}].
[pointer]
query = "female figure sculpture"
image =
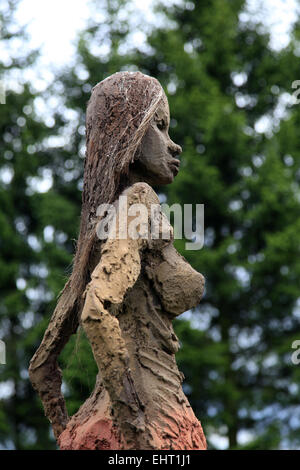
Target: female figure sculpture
[{"x": 124, "y": 291}]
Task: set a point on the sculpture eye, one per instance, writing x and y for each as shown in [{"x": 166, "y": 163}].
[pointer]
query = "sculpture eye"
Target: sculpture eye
[{"x": 161, "y": 125}]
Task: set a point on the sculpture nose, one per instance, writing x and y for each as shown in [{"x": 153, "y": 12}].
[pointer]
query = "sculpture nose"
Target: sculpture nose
[{"x": 174, "y": 149}]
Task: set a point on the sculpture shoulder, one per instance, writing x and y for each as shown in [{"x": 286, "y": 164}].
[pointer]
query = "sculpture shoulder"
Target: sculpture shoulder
[
  {"x": 141, "y": 193},
  {"x": 159, "y": 230}
]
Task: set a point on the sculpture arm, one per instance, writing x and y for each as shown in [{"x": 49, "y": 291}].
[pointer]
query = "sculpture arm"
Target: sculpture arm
[{"x": 117, "y": 271}]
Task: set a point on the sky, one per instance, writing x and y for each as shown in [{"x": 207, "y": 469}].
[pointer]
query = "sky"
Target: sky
[
  {"x": 277, "y": 15},
  {"x": 53, "y": 25}
]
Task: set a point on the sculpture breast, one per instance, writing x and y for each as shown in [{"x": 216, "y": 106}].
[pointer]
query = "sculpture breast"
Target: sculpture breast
[{"x": 178, "y": 285}]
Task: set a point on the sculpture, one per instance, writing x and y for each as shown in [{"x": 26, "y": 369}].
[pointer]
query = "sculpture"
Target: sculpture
[{"x": 124, "y": 291}]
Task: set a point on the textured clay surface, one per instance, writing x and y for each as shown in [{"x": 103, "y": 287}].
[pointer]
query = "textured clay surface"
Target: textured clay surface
[
  {"x": 137, "y": 288},
  {"x": 124, "y": 292}
]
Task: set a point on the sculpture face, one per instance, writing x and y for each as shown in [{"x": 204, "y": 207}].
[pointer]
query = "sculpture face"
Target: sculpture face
[{"x": 157, "y": 163}]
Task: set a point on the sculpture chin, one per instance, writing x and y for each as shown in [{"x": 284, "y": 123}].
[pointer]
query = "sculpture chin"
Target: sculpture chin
[{"x": 166, "y": 180}]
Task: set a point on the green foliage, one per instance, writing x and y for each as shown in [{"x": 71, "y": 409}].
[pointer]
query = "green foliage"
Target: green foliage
[
  {"x": 79, "y": 378},
  {"x": 221, "y": 77},
  {"x": 32, "y": 269}
]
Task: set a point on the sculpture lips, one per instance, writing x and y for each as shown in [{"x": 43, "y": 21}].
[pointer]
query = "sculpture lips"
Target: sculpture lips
[{"x": 175, "y": 164}]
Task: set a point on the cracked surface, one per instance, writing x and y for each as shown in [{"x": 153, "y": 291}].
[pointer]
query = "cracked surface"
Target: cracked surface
[{"x": 144, "y": 285}]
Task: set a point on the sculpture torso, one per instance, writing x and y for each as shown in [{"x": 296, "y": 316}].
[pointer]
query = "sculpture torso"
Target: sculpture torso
[{"x": 166, "y": 287}]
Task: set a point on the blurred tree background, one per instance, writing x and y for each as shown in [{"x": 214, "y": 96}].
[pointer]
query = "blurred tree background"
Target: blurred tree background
[{"x": 231, "y": 107}]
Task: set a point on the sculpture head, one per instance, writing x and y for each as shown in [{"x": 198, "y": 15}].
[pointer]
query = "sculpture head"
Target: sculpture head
[{"x": 127, "y": 124}]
